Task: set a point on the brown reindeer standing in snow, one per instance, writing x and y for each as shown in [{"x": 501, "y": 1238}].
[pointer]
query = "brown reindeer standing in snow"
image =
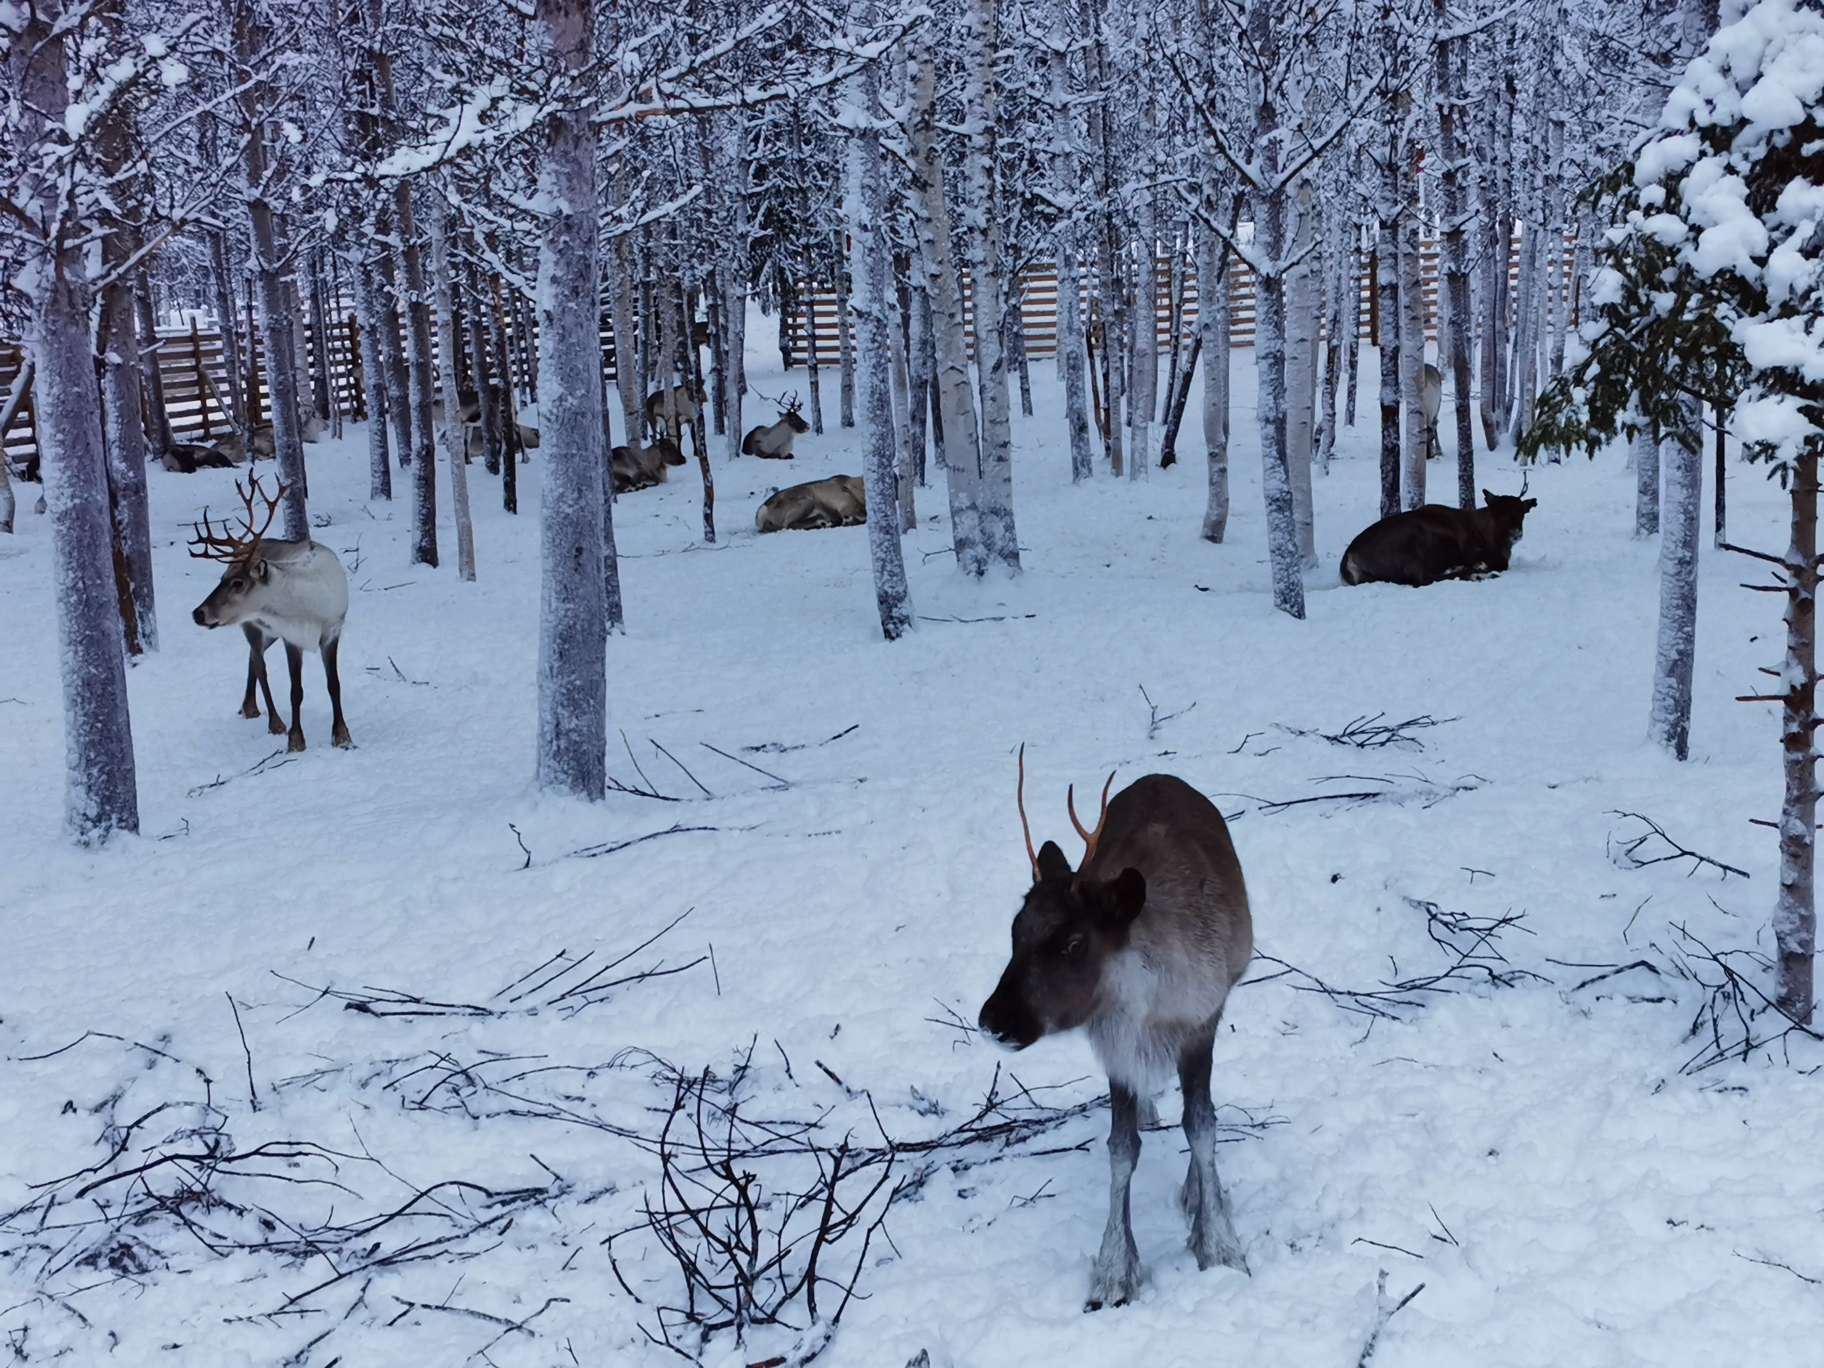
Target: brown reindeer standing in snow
[{"x": 1139, "y": 946}]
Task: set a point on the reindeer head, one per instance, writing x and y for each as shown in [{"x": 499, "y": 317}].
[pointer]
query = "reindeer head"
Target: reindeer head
[
  {"x": 1506, "y": 513},
  {"x": 235, "y": 599},
  {"x": 1063, "y": 936},
  {"x": 791, "y": 417}
]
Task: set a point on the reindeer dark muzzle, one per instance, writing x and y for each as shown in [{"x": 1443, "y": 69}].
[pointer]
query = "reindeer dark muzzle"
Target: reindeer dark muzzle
[{"x": 1007, "y": 1020}]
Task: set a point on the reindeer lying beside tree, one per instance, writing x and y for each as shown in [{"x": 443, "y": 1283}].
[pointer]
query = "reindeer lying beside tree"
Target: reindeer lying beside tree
[
  {"x": 294, "y": 590},
  {"x": 774, "y": 441},
  {"x": 840, "y": 501},
  {"x": 1139, "y": 946},
  {"x": 642, "y": 467}
]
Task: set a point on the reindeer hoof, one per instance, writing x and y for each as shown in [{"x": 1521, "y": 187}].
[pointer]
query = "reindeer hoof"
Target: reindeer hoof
[
  {"x": 296, "y": 742},
  {"x": 341, "y": 739},
  {"x": 274, "y": 726},
  {"x": 1114, "y": 1286},
  {"x": 250, "y": 710}
]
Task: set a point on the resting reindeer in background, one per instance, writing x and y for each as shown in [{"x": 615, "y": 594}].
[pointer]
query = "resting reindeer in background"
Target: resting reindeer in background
[
  {"x": 686, "y": 398},
  {"x": 774, "y": 441},
  {"x": 634, "y": 468},
  {"x": 1139, "y": 946},
  {"x": 295, "y": 590}
]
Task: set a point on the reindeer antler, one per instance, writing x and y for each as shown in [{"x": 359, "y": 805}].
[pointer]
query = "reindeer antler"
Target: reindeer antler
[
  {"x": 230, "y": 546},
  {"x": 1020, "y": 798},
  {"x": 793, "y": 404},
  {"x": 1089, "y": 837}
]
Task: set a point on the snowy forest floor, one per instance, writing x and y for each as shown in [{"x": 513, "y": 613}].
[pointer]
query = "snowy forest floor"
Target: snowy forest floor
[{"x": 845, "y": 857}]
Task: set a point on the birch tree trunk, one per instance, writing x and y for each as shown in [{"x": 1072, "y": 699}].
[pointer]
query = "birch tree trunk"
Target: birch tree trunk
[
  {"x": 158, "y": 430},
  {"x": 920, "y": 360},
  {"x": 573, "y": 627},
  {"x": 1683, "y": 460},
  {"x": 455, "y": 440},
  {"x": 956, "y": 399},
  {"x": 1794, "y": 915},
  {"x": 1455, "y": 246},
  {"x": 124, "y": 433},
  {"x": 251, "y": 37},
  {"x": 1143, "y": 352},
  {"x": 1336, "y": 285},
  {"x": 1301, "y": 370},
  {"x": 867, "y": 205},
  {"x": 1387, "y": 261},
  {"x": 373, "y": 374},
  {"x": 1214, "y": 321},
  {"x": 100, "y": 788},
  {"x": 1416, "y": 446},
  {"x": 227, "y": 323},
  {"x": 845, "y": 334},
  {"x": 1646, "y": 485},
  {"x": 488, "y": 395},
  {"x": 419, "y": 382},
  {"x": 1270, "y": 325},
  {"x": 981, "y": 43}
]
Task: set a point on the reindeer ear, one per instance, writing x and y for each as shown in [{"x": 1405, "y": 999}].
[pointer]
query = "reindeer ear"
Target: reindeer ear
[
  {"x": 1120, "y": 900},
  {"x": 1052, "y": 863},
  {"x": 259, "y": 569}
]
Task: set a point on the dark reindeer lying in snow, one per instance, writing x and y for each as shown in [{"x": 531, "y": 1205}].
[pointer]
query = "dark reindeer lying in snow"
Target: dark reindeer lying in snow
[
  {"x": 773, "y": 442},
  {"x": 642, "y": 467},
  {"x": 1432, "y": 543},
  {"x": 1139, "y": 946},
  {"x": 840, "y": 501},
  {"x": 294, "y": 590}
]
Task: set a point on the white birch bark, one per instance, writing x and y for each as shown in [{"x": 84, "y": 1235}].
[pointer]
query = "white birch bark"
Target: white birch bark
[
  {"x": 1387, "y": 299},
  {"x": 100, "y": 788},
  {"x": 866, "y": 212},
  {"x": 1301, "y": 368},
  {"x": 373, "y": 378},
  {"x": 455, "y": 441},
  {"x": 1143, "y": 352},
  {"x": 1414, "y": 445},
  {"x": 988, "y": 282},
  {"x": 1454, "y": 341},
  {"x": 1066, "y": 186},
  {"x": 1645, "y": 452},
  {"x": 1669, "y": 723},
  {"x": 573, "y": 628},
  {"x": 1794, "y": 913},
  {"x": 956, "y": 399},
  {"x": 1213, "y": 320}
]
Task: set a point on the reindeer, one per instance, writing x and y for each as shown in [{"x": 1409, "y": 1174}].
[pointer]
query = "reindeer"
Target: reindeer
[
  {"x": 642, "y": 467},
  {"x": 295, "y": 590},
  {"x": 686, "y": 398},
  {"x": 1436, "y": 542},
  {"x": 839, "y": 501},
  {"x": 774, "y": 441},
  {"x": 1139, "y": 946}
]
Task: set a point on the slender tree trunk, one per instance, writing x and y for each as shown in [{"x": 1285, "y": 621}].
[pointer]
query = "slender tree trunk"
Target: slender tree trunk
[
  {"x": 1270, "y": 327},
  {"x": 1720, "y": 530},
  {"x": 1215, "y": 321},
  {"x": 373, "y": 372},
  {"x": 868, "y": 230},
  {"x": 1336, "y": 279},
  {"x": 100, "y": 790},
  {"x": 1353, "y": 313},
  {"x": 1683, "y": 461},
  {"x": 921, "y": 360},
  {"x": 419, "y": 382},
  {"x": 510, "y": 458},
  {"x": 1454, "y": 261},
  {"x": 487, "y": 389},
  {"x": 845, "y": 335},
  {"x": 1794, "y": 915},
  {"x": 455, "y": 441},
  {"x": 1387, "y": 260},
  {"x": 227, "y": 324},
  {"x": 251, "y": 37},
  {"x": 812, "y": 372},
  {"x": 573, "y": 626},
  {"x": 989, "y": 281},
  {"x": 158, "y": 426},
  {"x": 1143, "y": 354},
  {"x": 898, "y": 306},
  {"x": 1301, "y": 370},
  {"x": 1646, "y": 485},
  {"x": 1416, "y": 446},
  {"x": 322, "y": 386},
  {"x": 1067, "y": 163},
  {"x": 961, "y": 443}
]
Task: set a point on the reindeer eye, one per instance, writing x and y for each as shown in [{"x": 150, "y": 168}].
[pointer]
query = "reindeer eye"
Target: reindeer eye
[{"x": 1076, "y": 947}]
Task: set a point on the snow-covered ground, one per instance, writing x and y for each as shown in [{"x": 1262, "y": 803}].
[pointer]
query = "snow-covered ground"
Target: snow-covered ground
[{"x": 1532, "y": 1153}]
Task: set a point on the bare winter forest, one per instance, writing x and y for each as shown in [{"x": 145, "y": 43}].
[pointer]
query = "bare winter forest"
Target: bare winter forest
[{"x": 1316, "y": 418}]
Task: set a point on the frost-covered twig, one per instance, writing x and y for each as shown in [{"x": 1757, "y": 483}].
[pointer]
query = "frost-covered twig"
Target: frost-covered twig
[
  {"x": 1732, "y": 1005},
  {"x": 1370, "y": 733},
  {"x": 1384, "y": 1311}
]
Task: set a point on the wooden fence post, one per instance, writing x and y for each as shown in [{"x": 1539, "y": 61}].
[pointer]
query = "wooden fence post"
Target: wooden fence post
[
  {"x": 202, "y": 379},
  {"x": 354, "y": 369}
]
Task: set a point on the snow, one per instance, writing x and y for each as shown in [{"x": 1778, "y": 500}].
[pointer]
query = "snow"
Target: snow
[{"x": 1532, "y": 1154}]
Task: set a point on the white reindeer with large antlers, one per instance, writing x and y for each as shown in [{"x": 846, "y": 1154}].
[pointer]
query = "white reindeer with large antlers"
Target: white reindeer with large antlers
[{"x": 290, "y": 590}]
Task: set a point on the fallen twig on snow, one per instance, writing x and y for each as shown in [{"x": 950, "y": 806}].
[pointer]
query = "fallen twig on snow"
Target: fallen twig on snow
[
  {"x": 1627, "y": 852},
  {"x": 1156, "y": 721},
  {"x": 1384, "y": 1311},
  {"x": 1732, "y": 1003},
  {"x": 1370, "y": 733}
]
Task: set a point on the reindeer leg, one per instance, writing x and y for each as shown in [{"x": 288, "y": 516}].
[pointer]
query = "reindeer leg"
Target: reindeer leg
[
  {"x": 338, "y": 733},
  {"x": 1116, "y": 1277},
  {"x": 1213, "y": 1238},
  {"x": 294, "y": 658},
  {"x": 255, "y": 659},
  {"x": 259, "y": 641}
]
